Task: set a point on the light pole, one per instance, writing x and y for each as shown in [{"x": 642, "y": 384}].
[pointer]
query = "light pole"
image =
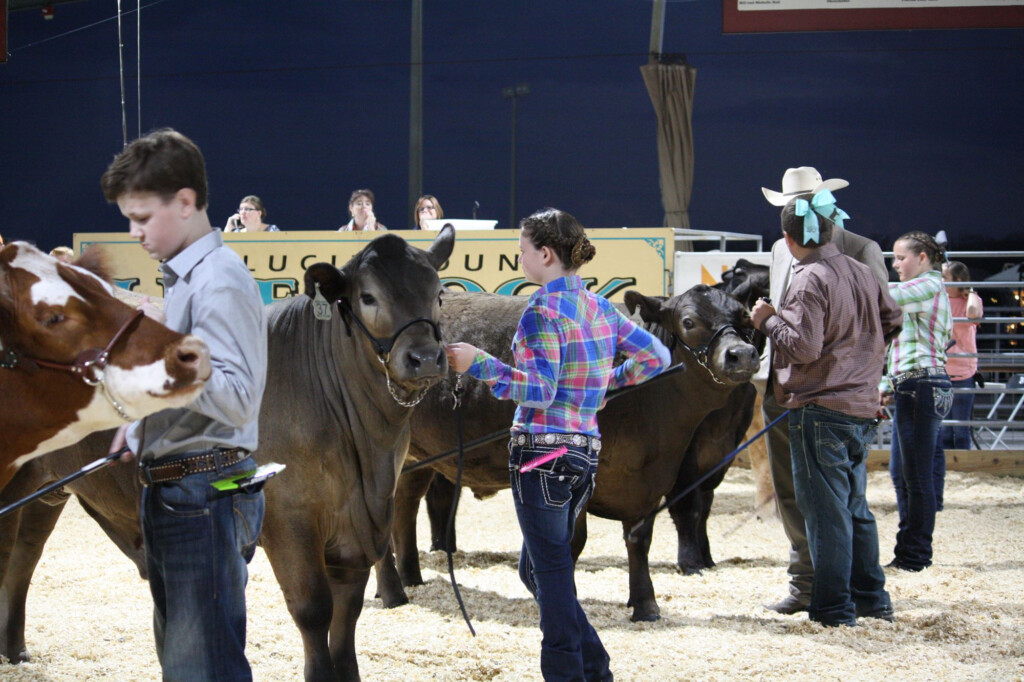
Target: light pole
[
  {"x": 514, "y": 92},
  {"x": 416, "y": 107}
]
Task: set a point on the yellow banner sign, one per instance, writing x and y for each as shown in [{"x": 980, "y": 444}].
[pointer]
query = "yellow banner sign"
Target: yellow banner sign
[{"x": 483, "y": 260}]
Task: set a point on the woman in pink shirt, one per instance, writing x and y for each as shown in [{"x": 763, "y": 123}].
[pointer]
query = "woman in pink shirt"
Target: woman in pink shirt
[{"x": 963, "y": 303}]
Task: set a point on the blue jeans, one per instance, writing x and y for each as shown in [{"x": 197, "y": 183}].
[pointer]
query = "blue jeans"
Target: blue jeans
[
  {"x": 952, "y": 437},
  {"x": 547, "y": 500},
  {"x": 920, "y": 406},
  {"x": 198, "y": 543},
  {"x": 830, "y": 477},
  {"x": 959, "y": 437}
]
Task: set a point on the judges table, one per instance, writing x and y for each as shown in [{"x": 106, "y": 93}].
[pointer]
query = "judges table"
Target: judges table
[{"x": 483, "y": 260}]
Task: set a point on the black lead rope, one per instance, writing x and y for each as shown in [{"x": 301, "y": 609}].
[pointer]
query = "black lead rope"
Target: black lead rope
[
  {"x": 649, "y": 519},
  {"x": 450, "y": 528},
  {"x": 45, "y": 490},
  {"x": 460, "y": 450}
]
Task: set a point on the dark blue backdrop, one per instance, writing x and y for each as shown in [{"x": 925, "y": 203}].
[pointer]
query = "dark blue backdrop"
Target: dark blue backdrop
[{"x": 301, "y": 103}]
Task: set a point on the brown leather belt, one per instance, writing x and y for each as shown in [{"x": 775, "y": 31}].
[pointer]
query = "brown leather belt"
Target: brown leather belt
[{"x": 162, "y": 471}]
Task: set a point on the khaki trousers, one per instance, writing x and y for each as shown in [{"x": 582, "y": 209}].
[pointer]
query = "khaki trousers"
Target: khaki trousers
[{"x": 801, "y": 570}]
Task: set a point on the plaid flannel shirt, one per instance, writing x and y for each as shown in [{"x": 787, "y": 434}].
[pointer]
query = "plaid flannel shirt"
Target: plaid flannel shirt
[
  {"x": 927, "y": 324},
  {"x": 564, "y": 351}
]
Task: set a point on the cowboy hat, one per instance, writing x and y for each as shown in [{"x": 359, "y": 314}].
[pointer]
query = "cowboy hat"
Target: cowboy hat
[{"x": 800, "y": 180}]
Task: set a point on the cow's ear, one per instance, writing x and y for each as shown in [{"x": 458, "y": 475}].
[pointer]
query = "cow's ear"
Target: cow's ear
[
  {"x": 95, "y": 261},
  {"x": 650, "y": 306},
  {"x": 5, "y": 285},
  {"x": 742, "y": 291},
  {"x": 333, "y": 284},
  {"x": 442, "y": 247},
  {"x": 746, "y": 321}
]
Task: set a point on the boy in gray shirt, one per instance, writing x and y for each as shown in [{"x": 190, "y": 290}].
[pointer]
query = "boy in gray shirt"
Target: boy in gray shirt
[{"x": 198, "y": 539}]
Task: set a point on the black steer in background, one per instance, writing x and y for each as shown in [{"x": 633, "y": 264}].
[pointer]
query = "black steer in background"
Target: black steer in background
[{"x": 655, "y": 441}]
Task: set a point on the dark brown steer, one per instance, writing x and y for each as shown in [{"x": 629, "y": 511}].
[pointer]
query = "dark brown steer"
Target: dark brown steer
[
  {"x": 336, "y": 411},
  {"x": 645, "y": 433},
  {"x": 74, "y": 359}
]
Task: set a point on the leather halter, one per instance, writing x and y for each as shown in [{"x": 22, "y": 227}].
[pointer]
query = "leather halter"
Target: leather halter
[
  {"x": 382, "y": 347},
  {"x": 700, "y": 353},
  {"x": 90, "y": 365}
]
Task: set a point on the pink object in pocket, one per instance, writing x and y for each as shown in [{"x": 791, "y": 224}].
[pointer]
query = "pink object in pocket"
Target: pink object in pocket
[{"x": 537, "y": 461}]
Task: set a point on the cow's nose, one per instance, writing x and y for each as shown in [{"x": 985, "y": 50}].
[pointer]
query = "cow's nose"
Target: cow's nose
[
  {"x": 192, "y": 355},
  {"x": 425, "y": 362},
  {"x": 740, "y": 356}
]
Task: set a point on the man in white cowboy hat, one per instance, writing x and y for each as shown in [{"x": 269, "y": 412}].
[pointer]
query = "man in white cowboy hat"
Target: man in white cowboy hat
[{"x": 795, "y": 182}]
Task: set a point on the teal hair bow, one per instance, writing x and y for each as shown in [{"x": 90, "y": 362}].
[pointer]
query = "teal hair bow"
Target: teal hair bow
[{"x": 823, "y": 204}]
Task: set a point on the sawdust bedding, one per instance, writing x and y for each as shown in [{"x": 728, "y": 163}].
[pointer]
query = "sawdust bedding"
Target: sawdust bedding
[{"x": 962, "y": 619}]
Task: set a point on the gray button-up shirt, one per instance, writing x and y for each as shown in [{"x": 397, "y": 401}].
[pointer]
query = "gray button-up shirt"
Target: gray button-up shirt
[{"x": 209, "y": 292}]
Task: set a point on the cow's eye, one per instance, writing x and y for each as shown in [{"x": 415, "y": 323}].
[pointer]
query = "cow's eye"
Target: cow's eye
[
  {"x": 440, "y": 298},
  {"x": 688, "y": 323},
  {"x": 367, "y": 299},
  {"x": 53, "y": 319}
]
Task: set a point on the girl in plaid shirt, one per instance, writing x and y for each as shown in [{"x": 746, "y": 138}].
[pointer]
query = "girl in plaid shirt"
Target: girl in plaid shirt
[
  {"x": 922, "y": 392},
  {"x": 564, "y": 352}
]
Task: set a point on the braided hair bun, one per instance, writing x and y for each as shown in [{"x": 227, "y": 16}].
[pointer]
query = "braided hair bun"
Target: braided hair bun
[
  {"x": 562, "y": 233},
  {"x": 922, "y": 242}
]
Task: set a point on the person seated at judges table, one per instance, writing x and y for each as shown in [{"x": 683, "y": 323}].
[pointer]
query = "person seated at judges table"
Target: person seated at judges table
[
  {"x": 829, "y": 337},
  {"x": 65, "y": 254},
  {"x": 427, "y": 208},
  {"x": 360, "y": 206},
  {"x": 251, "y": 217}
]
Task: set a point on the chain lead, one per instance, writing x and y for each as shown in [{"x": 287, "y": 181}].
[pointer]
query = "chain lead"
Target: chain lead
[{"x": 457, "y": 392}]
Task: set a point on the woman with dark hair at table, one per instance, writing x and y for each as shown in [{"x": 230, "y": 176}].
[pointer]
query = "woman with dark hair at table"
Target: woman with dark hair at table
[
  {"x": 360, "y": 207},
  {"x": 251, "y": 217}
]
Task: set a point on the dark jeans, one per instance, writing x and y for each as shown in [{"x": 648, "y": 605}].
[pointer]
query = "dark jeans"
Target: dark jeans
[
  {"x": 198, "y": 543},
  {"x": 830, "y": 476},
  {"x": 959, "y": 437},
  {"x": 952, "y": 437},
  {"x": 547, "y": 500},
  {"x": 920, "y": 405}
]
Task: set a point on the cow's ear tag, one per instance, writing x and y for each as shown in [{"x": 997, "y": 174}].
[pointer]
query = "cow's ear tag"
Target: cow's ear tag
[{"x": 321, "y": 308}]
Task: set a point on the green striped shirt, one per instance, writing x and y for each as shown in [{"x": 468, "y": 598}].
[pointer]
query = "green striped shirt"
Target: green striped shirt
[{"x": 927, "y": 323}]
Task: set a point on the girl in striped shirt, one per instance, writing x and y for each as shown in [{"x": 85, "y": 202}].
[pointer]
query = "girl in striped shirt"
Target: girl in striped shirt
[{"x": 921, "y": 390}]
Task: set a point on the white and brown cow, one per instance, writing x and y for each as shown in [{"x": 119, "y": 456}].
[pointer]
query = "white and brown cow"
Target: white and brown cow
[
  {"x": 74, "y": 359},
  {"x": 347, "y": 362}
]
